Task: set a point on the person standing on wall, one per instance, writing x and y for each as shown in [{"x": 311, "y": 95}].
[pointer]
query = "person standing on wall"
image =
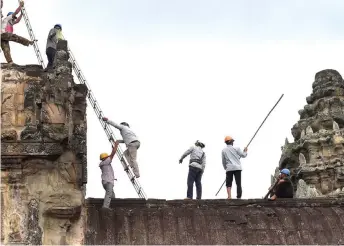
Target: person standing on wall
[
  {"x": 108, "y": 176},
  {"x": 131, "y": 141},
  {"x": 54, "y": 35},
  {"x": 7, "y": 34},
  {"x": 196, "y": 168},
  {"x": 231, "y": 163}
]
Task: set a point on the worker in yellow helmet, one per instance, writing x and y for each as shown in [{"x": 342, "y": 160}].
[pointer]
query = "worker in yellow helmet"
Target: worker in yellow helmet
[
  {"x": 108, "y": 176},
  {"x": 231, "y": 163}
]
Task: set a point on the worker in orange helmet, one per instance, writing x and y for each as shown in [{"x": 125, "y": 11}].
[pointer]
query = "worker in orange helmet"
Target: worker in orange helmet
[
  {"x": 231, "y": 163},
  {"x": 108, "y": 176}
]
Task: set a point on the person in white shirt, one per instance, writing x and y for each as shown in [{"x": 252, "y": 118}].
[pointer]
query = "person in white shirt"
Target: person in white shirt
[
  {"x": 231, "y": 163},
  {"x": 131, "y": 141},
  {"x": 196, "y": 168},
  {"x": 108, "y": 176}
]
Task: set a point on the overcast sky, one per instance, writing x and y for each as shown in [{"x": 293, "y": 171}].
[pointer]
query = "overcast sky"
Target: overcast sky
[{"x": 180, "y": 71}]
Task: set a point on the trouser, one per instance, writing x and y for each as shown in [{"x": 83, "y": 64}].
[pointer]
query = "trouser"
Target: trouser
[
  {"x": 50, "y": 52},
  {"x": 131, "y": 154},
  {"x": 195, "y": 175},
  {"x": 229, "y": 180},
  {"x": 109, "y": 193},
  {"x": 5, "y": 44}
]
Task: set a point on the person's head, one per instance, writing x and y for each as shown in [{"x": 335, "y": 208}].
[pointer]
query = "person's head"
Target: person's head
[
  {"x": 200, "y": 144},
  {"x": 284, "y": 173},
  {"x": 229, "y": 140},
  {"x": 103, "y": 156},
  {"x": 125, "y": 124},
  {"x": 58, "y": 27},
  {"x": 13, "y": 16}
]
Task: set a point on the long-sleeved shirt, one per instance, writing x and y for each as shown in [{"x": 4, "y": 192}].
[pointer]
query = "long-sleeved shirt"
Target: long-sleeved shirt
[
  {"x": 197, "y": 157},
  {"x": 107, "y": 171},
  {"x": 231, "y": 158},
  {"x": 127, "y": 134},
  {"x": 52, "y": 39}
]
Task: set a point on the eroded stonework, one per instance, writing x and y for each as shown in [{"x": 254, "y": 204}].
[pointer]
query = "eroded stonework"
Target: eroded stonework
[
  {"x": 316, "y": 157},
  {"x": 43, "y": 153}
]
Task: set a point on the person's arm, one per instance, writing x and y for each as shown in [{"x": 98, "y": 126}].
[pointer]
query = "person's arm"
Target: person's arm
[
  {"x": 203, "y": 162},
  {"x": 114, "y": 150},
  {"x": 18, "y": 9},
  {"x": 18, "y": 19},
  {"x": 224, "y": 160},
  {"x": 186, "y": 153},
  {"x": 119, "y": 127},
  {"x": 52, "y": 33},
  {"x": 241, "y": 153}
]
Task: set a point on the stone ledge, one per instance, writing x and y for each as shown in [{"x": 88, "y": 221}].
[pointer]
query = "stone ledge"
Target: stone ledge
[
  {"x": 30, "y": 149},
  {"x": 318, "y": 202}
]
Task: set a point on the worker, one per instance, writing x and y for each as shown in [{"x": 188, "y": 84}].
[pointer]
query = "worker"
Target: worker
[
  {"x": 231, "y": 163},
  {"x": 131, "y": 141},
  {"x": 196, "y": 169},
  {"x": 284, "y": 187},
  {"x": 54, "y": 35},
  {"x": 7, "y": 34},
  {"x": 108, "y": 176}
]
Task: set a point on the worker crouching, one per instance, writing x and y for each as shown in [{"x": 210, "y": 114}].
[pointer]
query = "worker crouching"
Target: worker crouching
[
  {"x": 283, "y": 187},
  {"x": 196, "y": 169},
  {"x": 231, "y": 163}
]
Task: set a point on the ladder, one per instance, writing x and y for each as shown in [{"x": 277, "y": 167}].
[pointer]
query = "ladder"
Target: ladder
[
  {"x": 32, "y": 36},
  {"x": 110, "y": 135},
  {"x": 106, "y": 127}
]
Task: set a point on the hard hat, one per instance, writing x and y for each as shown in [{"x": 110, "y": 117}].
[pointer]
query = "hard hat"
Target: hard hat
[
  {"x": 10, "y": 13},
  {"x": 200, "y": 144},
  {"x": 285, "y": 171},
  {"x": 228, "y": 138},
  {"x": 103, "y": 156},
  {"x": 58, "y": 25},
  {"x": 125, "y": 124}
]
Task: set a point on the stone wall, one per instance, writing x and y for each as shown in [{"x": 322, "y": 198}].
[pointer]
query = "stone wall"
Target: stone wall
[
  {"x": 316, "y": 156},
  {"x": 220, "y": 222},
  {"x": 43, "y": 153}
]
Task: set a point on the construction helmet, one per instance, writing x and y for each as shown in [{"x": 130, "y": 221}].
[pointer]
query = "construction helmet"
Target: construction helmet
[
  {"x": 285, "y": 171},
  {"x": 58, "y": 25},
  {"x": 10, "y": 13},
  {"x": 228, "y": 139},
  {"x": 103, "y": 156},
  {"x": 125, "y": 124},
  {"x": 200, "y": 144}
]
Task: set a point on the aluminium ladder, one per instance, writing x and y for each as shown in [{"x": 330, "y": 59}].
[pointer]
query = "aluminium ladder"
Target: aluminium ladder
[
  {"x": 32, "y": 36},
  {"x": 110, "y": 135}
]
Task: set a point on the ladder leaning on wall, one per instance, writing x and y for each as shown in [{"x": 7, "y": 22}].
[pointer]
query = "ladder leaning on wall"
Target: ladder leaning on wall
[{"x": 110, "y": 135}]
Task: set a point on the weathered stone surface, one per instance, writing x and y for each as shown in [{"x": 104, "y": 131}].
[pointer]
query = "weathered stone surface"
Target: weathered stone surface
[
  {"x": 220, "y": 222},
  {"x": 43, "y": 154},
  {"x": 316, "y": 157}
]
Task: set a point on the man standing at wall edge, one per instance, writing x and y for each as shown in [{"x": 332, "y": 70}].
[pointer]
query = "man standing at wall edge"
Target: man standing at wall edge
[
  {"x": 196, "y": 168},
  {"x": 108, "y": 176},
  {"x": 231, "y": 163},
  {"x": 54, "y": 35},
  {"x": 131, "y": 141}
]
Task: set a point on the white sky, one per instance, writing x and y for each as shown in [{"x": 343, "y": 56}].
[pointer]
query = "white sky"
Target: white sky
[{"x": 179, "y": 72}]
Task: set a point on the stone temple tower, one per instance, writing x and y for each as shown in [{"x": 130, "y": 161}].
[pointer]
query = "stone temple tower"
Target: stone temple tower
[{"x": 316, "y": 156}]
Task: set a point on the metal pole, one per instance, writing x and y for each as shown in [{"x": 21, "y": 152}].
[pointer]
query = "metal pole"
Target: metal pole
[{"x": 256, "y": 133}]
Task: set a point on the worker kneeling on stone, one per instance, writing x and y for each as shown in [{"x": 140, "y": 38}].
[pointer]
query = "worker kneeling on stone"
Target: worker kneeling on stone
[
  {"x": 284, "y": 187},
  {"x": 108, "y": 176},
  {"x": 196, "y": 168},
  {"x": 231, "y": 163},
  {"x": 131, "y": 141}
]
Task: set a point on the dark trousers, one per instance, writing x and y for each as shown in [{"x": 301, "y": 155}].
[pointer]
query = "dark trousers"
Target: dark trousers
[
  {"x": 237, "y": 176},
  {"x": 195, "y": 175},
  {"x": 51, "y": 56}
]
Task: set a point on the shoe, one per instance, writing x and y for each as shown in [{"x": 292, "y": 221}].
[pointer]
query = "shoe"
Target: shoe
[{"x": 187, "y": 198}]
